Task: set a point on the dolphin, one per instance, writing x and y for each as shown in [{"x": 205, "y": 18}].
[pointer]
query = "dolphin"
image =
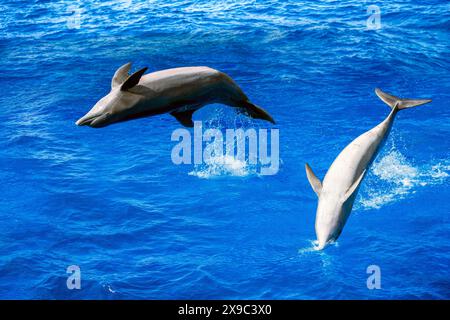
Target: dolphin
[
  {"x": 338, "y": 190},
  {"x": 178, "y": 91}
]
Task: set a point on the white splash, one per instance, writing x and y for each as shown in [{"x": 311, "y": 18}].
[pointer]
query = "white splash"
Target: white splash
[
  {"x": 392, "y": 177},
  {"x": 226, "y": 165},
  {"x": 314, "y": 247},
  {"x": 223, "y": 166}
]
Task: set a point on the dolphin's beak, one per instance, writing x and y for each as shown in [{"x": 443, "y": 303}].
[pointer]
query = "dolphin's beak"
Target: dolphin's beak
[
  {"x": 83, "y": 121},
  {"x": 95, "y": 121}
]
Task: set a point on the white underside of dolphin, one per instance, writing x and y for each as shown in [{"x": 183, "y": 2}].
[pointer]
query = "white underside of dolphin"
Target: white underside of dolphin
[{"x": 336, "y": 194}]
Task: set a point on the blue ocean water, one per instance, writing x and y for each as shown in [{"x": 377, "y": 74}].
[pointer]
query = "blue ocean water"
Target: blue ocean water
[{"x": 112, "y": 202}]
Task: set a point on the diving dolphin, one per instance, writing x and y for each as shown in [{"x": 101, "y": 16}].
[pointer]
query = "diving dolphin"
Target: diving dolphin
[
  {"x": 338, "y": 190},
  {"x": 179, "y": 91}
]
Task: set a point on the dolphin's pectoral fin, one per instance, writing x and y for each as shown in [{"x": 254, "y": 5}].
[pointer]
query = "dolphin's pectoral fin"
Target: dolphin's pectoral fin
[
  {"x": 141, "y": 90},
  {"x": 120, "y": 75},
  {"x": 184, "y": 117},
  {"x": 133, "y": 80},
  {"x": 313, "y": 180},
  {"x": 354, "y": 186}
]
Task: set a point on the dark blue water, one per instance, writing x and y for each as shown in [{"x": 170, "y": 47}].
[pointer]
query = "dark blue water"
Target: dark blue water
[{"x": 112, "y": 202}]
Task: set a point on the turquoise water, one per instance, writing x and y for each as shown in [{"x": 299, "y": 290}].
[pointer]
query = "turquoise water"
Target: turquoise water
[{"x": 112, "y": 202}]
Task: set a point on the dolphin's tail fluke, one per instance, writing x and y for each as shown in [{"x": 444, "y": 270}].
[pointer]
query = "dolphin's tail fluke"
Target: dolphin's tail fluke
[
  {"x": 255, "y": 112},
  {"x": 393, "y": 101}
]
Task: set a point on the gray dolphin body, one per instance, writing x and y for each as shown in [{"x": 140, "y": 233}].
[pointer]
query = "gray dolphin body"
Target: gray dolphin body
[
  {"x": 179, "y": 91},
  {"x": 338, "y": 190}
]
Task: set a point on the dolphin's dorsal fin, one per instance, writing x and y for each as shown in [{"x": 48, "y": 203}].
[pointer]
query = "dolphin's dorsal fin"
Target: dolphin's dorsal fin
[
  {"x": 184, "y": 117},
  {"x": 120, "y": 75},
  {"x": 313, "y": 180},
  {"x": 354, "y": 186},
  {"x": 133, "y": 79}
]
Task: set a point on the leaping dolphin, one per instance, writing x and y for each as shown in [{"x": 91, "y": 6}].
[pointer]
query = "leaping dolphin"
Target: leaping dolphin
[
  {"x": 179, "y": 91},
  {"x": 338, "y": 190}
]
